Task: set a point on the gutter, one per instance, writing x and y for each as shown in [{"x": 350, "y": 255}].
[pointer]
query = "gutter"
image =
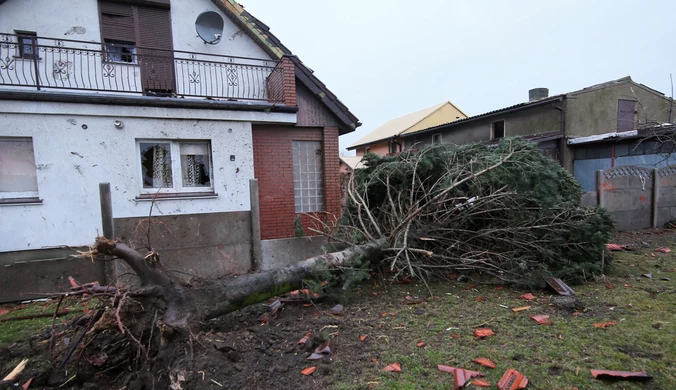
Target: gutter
[{"x": 149, "y": 101}]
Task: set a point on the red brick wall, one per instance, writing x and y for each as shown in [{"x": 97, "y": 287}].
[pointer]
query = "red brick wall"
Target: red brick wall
[{"x": 273, "y": 167}]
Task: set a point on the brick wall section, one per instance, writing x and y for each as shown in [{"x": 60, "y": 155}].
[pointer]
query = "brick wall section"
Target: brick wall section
[
  {"x": 289, "y": 80},
  {"x": 273, "y": 167}
]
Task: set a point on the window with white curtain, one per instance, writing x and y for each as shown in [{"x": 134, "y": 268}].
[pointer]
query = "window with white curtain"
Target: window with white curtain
[
  {"x": 308, "y": 176},
  {"x": 175, "y": 166},
  {"x": 18, "y": 178}
]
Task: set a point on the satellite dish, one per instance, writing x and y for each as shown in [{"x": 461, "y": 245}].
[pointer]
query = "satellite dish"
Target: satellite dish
[{"x": 209, "y": 26}]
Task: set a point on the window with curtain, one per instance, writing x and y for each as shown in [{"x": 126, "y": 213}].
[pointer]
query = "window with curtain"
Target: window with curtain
[
  {"x": 308, "y": 176},
  {"x": 18, "y": 177},
  {"x": 175, "y": 166}
]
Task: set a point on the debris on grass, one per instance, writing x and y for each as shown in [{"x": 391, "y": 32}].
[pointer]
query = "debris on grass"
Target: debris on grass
[
  {"x": 309, "y": 370},
  {"x": 481, "y": 383},
  {"x": 639, "y": 376},
  {"x": 3, "y": 311},
  {"x": 394, "y": 367},
  {"x": 484, "y": 362},
  {"x": 362, "y": 337},
  {"x": 409, "y": 300},
  {"x": 616, "y": 247},
  {"x": 305, "y": 338},
  {"x": 16, "y": 371},
  {"x": 663, "y": 250},
  {"x": 420, "y": 344},
  {"x": 542, "y": 319},
  {"x": 518, "y": 309},
  {"x": 337, "y": 310},
  {"x": 560, "y": 287},
  {"x": 605, "y": 324},
  {"x": 455, "y": 336},
  {"x": 315, "y": 356},
  {"x": 483, "y": 332},
  {"x": 649, "y": 276},
  {"x": 26, "y": 385},
  {"x": 327, "y": 347},
  {"x": 512, "y": 380},
  {"x": 528, "y": 296}
]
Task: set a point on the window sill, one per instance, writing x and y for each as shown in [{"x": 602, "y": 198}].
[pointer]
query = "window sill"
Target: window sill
[
  {"x": 20, "y": 202},
  {"x": 176, "y": 196}
]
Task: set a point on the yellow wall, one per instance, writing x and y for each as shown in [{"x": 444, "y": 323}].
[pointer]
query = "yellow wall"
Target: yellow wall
[{"x": 445, "y": 114}]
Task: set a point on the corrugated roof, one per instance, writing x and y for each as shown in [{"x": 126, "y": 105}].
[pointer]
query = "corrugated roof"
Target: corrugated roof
[
  {"x": 260, "y": 33},
  {"x": 397, "y": 126},
  {"x": 353, "y": 162}
]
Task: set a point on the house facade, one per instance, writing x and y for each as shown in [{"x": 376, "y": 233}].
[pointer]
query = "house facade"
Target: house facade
[
  {"x": 554, "y": 122},
  {"x": 387, "y": 139},
  {"x": 133, "y": 94}
]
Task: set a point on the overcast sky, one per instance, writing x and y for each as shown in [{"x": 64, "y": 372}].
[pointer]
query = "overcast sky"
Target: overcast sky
[{"x": 384, "y": 59}]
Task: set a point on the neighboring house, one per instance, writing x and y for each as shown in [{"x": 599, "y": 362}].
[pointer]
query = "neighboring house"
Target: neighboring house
[
  {"x": 347, "y": 166},
  {"x": 387, "y": 139},
  {"x": 126, "y": 92},
  {"x": 553, "y": 122}
]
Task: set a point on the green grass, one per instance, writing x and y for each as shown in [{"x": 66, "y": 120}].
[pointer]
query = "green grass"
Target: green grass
[
  {"x": 557, "y": 356},
  {"x": 12, "y": 331}
]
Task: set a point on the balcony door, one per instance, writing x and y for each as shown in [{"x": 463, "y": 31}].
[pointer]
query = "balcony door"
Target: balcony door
[{"x": 140, "y": 36}]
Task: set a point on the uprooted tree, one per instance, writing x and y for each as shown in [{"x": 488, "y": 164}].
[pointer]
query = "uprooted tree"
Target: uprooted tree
[{"x": 502, "y": 211}]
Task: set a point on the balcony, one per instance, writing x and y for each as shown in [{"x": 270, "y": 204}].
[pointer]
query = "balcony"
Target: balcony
[{"x": 51, "y": 64}]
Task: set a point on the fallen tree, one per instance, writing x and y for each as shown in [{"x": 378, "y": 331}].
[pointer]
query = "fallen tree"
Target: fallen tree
[{"x": 503, "y": 210}]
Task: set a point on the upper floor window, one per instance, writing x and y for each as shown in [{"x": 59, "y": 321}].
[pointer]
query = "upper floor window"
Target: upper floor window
[
  {"x": 175, "y": 166},
  {"x": 18, "y": 177},
  {"x": 120, "y": 51},
  {"x": 498, "y": 129},
  {"x": 27, "y": 41},
  {"x": 626, "y": 112},
  {"x": 436, "y": 138}
]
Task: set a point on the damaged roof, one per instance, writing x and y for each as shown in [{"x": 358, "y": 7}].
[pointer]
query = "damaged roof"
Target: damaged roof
[{"x": 260, "y": 33}]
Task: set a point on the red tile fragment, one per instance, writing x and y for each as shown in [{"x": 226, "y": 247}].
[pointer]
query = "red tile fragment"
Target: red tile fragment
[
  {"x": 639, "y": 376},
  {"x": 512, "y": 380},
  {"x": 394, "y": 367},
  {"x": 663, "y": 250},
  {"x": 481, "y": 383},
  {"x": 527, "y": 296},
  {"x": 542, "y": 319},
  {"x": 305, "y": 338},
  {"x": 309, "y": 370},
  {"x": 605, "y": 324},
  {"x": 484, "y": 362},
  {"x": 483, "y": 332}
]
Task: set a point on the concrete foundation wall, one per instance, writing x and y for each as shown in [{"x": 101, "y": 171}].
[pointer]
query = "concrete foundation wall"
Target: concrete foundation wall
[
  {"x": 43, "y": 271},
  {"x": 206, "y": 245},
  {"x": 287, "y": 251}
]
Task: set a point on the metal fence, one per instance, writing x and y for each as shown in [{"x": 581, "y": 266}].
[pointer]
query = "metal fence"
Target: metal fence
[{"x": 79, "y": 66}]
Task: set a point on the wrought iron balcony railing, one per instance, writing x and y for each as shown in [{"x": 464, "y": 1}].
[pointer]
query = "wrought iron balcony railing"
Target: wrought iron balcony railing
[{"x": 61, "y": 64}]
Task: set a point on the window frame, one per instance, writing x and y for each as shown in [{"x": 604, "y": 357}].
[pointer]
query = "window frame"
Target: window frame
[
  {"x": 176, "y": 172},
  {"x": 21, "y": 196},
  {"x": 21, "y": 45},
  {"x": 321, "y": 189},
  {"x": 108, "y": 54},
  {"x": 504, "y": 129},
  {"x": 440, "y": 138}
]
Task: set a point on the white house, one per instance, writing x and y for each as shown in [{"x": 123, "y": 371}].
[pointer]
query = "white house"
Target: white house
[{"x": 127, "y": 92}]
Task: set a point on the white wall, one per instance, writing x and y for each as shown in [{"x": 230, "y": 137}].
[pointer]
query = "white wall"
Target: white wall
[
  {"x": 53, "y": 18},
  {"x": 72, "y": 161}
]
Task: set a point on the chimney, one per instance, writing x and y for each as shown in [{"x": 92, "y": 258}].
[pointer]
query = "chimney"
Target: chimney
[{"x": 537, "y": 94}]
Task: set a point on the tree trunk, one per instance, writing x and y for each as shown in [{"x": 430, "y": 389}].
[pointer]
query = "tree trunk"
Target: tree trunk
[{"x": 210, "y": 298}]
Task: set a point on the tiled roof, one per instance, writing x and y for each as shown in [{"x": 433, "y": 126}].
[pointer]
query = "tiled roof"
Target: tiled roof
[
  {"x": 260, "y": 33},
  {"x": 353, "y": 162}
]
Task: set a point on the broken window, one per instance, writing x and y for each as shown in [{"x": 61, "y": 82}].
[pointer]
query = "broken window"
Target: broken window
[
  {"x": 162, "y": 171},
  {"x": 436, "y": 138},
  {"x": 27, "y": 44},
  {"x": 308, "y": 176},
  {"x": 18, "y": 178},
  {"x": 120, "y": 51},
  {"x": 498, "y": 129}
]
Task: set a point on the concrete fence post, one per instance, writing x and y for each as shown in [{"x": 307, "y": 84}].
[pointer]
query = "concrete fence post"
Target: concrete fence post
[
  {"x": 256, "y": 249},
  {"x": 106, "y": 201},
  {"x": 653, "y": 204},
  {"x": 599, "y": 188}
]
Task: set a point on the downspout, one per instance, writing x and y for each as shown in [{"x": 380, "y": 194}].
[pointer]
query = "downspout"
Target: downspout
[{"x": 562, "y": 130}]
